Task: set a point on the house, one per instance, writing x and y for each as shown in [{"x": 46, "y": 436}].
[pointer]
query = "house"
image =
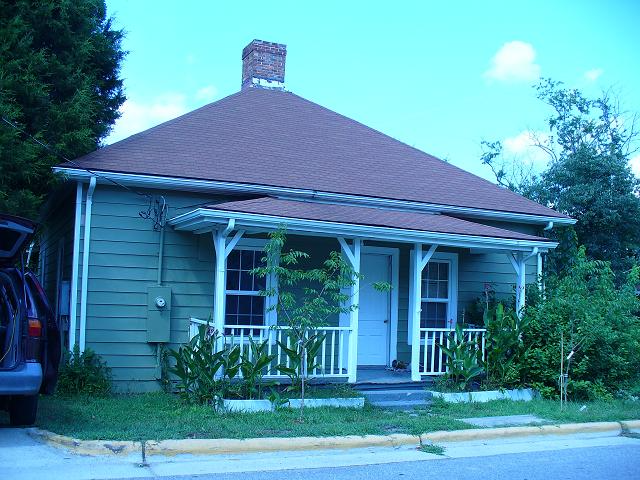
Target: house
[{"x": 157, "y": 233}]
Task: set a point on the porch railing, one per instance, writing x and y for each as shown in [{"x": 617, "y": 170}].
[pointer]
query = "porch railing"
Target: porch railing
[
  {"x": 432, "y": 359},
  {"x": 330, "y": 361}
]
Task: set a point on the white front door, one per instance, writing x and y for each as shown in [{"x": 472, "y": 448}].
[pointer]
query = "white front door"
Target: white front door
[{"x": 374, "y": 310}]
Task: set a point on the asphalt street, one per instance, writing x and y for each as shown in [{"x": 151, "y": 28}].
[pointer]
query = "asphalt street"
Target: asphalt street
[{"x": 618, "y": 462}]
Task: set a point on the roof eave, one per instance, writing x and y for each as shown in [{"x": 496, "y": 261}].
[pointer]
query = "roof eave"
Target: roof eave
[
  {"x": 203, "y": 220},
  {"x": 197, "y": 185}
]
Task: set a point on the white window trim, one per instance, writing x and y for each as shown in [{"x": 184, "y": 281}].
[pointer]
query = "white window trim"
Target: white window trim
[
  {"x": 270, "y": 314},
  {"x": 452, "y": 310}
]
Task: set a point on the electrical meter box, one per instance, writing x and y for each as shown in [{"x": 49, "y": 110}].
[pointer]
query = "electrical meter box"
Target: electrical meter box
[{"x": 158, "y": 314}]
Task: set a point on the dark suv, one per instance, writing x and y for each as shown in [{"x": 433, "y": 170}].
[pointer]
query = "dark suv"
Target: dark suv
[{"x": 29, "y": 335}]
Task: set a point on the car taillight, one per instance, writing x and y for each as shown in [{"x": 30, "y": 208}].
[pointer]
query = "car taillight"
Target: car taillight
[{"x": 35, "y": 327}]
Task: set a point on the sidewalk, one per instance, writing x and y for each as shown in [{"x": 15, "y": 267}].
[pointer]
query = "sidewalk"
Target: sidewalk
[{"x": 23, "y": 457}]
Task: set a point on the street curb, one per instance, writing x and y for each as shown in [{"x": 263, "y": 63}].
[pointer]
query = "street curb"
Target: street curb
[
  {"x": 253, "y": 445},
  {"x": 613, "y": 428},
  {"x": 631, "y": 426},
  {"x": 86, "y": 447}
]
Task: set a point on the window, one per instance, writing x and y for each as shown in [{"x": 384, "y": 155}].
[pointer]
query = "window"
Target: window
[
  {"x": 244, "y": 304},
  {"x": 436, "y": 295}
]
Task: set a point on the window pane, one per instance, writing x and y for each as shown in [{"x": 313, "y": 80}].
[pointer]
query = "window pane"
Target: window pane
[
  {"x": 244, "y": 319},
  {"x": 433, "y": 315},
  {"x": 432, "y": 271},
  {"x": 444, "y": 271},
  {"x": 259, "y": 283},
  {"x": 443, "y": 290},
  {"x": 432, "y": 291},
  {"x": 246, "y": 259},
  {"x": 246, "y": 281},
  {"x": 257, "y": 305},
  {"x": 232, "y": 304},
  {"x": 244, "y": 304},
  {"x": 233, "y": 280},
  {"x": 233, "y": 260}
]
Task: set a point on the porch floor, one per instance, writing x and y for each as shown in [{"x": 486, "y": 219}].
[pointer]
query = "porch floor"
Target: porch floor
[{"x": 384, "y": 376}]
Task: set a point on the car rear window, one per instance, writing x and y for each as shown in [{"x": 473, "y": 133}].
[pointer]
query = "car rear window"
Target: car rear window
[{"x": 8, "y": 239}]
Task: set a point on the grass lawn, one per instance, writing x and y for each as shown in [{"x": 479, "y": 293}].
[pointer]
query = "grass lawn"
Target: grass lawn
[{"x": 160, "y": 416}]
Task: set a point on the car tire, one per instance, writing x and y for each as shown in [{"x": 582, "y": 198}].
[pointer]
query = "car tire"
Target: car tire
[{"x": 23, "y": 410}]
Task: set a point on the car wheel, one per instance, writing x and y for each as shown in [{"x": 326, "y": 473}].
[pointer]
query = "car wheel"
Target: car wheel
[{"x": 23, "y": 409}]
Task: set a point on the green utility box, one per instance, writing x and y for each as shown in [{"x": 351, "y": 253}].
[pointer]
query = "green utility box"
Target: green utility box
[{"x": 158, "y": 314}]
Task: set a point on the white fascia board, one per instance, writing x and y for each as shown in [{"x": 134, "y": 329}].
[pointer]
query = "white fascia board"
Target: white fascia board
[
  {"x": 194, "y": 185},
  {"x": 202, "y": 217}
]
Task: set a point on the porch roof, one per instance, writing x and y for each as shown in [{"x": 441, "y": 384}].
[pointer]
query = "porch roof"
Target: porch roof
[{"x": 315, "y": 218}]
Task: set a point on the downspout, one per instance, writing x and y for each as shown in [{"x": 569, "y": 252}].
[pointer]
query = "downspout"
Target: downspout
[
  {"x": 73, "y": 301},
  {"x": 541, "y": 286},
  {"x": 85, "y": 263}
]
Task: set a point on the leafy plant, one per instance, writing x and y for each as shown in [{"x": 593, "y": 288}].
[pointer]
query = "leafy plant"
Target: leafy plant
[
  {"x": 197, "y": 365},
  {"x": 463, "y": 359},
  {"x": 253, "y": 363},
  {"x": 504, "y": 345},
  {"x": 84, "y": 373},
  {"x": 302, "y": 358}
]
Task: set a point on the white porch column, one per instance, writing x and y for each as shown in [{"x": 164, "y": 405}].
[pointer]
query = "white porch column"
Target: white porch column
[
  {"x": 519, "y": 262},
  {"x": 353, "y": 257},
  {"x": 420, "y": 261},
  {"x": 223, "y": 249}
]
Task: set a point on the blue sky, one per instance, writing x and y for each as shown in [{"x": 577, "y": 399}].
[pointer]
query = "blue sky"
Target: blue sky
[{"x": 440, "y": 76}]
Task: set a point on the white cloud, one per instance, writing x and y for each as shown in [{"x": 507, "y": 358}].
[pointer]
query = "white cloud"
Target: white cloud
[
  {"x": 524, "y": 147},
  {"x": 514, "y": 62},
  {"x": 137, "y": 116},
  {"x": 207, "y": 93},
  {"x": 635, "y": 165},
  {"x": 593, "y": 74}
]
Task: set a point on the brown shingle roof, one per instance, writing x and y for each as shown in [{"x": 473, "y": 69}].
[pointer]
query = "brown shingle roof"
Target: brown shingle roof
[
  {"x": 275, "y": 138},
  {"x": 369, "y": 216}
]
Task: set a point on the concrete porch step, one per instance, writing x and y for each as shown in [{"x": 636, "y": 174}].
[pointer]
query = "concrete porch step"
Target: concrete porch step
[
  {"x": 401, "y": 404},
  {"x": 395, "y": 395}
]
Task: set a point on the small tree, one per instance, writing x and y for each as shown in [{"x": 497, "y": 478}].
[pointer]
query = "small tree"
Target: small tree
[{"x": 306, "y": 298}]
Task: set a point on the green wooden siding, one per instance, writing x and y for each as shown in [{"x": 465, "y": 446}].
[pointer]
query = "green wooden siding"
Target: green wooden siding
[{"x": 123, "y": 264}]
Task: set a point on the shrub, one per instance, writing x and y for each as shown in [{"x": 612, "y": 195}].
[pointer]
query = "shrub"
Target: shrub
[
  {"x": 593, "y": 318},
  {"x": 505, "y": 346},
  {"x": 84, "y": 374},
  {"x": 197, "y": 364}
]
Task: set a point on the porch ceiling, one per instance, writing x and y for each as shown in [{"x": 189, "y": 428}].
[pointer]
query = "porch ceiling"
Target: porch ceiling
[{"x": 323, "y": 219}]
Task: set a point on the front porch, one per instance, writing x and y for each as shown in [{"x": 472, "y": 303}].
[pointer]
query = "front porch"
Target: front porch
[
  {"x": 332, "y": 361},
  {"x": 435, "y": 265}
]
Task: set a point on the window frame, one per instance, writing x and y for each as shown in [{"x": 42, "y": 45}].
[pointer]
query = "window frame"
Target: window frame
[
  {"x": 270, "y": 315},
  {"x": 452, "y": 309},
  {"x": 450, "y": 320}
]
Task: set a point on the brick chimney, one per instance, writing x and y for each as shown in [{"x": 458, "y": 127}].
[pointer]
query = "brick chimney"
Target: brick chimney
[{"x": 263, "y": 65}]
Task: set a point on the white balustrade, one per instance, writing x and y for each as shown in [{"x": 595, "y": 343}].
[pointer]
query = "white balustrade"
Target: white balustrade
[
  {"x": 330, "y": 360},
  {"x": 433, "y": 361}
]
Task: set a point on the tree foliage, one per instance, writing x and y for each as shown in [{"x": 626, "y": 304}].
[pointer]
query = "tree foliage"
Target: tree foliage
[
  {"x": 585, "y": 312},
  {"x": 588, "y": 176},
  {"x": 59, "y": 82}
]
